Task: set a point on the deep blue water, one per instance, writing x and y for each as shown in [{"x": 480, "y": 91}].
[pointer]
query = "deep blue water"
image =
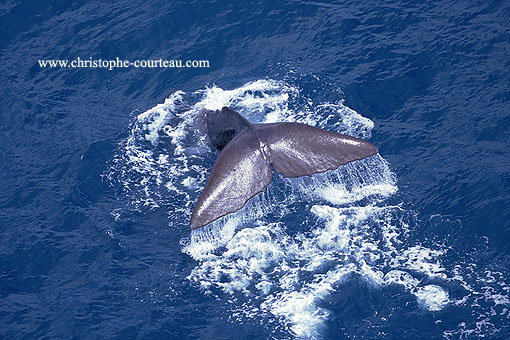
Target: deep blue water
[{"x": 100, "y": 171}]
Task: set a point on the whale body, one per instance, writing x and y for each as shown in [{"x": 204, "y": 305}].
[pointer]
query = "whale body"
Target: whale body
[{"x": 249, "y": 151}]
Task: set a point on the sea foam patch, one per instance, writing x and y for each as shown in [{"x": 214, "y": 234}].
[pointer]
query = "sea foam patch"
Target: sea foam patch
[
  {"x": 350, "y": 231},
  {"x": 290, "y": 247}
]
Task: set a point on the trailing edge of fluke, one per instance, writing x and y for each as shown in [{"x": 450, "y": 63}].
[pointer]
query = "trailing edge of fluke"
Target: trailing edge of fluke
[{"x": 243, "y": 168}]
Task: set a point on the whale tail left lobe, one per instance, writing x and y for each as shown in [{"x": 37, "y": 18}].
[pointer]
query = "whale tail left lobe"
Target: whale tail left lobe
[{"x": 240, "y": 172}]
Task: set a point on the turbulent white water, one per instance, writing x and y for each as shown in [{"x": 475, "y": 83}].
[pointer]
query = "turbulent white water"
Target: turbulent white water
[{"x": 290, "y": 247}]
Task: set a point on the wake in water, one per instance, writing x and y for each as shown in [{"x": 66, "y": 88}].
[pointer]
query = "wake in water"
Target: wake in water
[
  {"x": 293, "y": 245},
  {"x": 288, "y": 270}
]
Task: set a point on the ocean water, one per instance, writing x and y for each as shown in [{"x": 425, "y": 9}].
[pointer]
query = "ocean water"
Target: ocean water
[{"x": 101, "y": 169}]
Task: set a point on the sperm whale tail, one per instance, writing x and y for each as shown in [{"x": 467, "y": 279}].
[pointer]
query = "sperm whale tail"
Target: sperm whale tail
[{"x": 243, "y": 168}]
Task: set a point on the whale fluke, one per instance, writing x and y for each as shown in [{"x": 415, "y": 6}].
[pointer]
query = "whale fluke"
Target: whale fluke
[
  {"x": 240, "y": 172},
  {"x": 301, "y": 150},
  {"x": 243, "y": 168}
]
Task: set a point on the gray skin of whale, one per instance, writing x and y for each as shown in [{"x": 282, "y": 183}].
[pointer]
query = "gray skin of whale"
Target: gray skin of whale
[{"x": 243, "y": 168}]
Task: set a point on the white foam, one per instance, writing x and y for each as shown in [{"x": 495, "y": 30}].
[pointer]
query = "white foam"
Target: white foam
[
  {"x": 341, "y": 242},
  {"x": 401, "y": 278},
  {"x": 432, "y": 296},
  {"x": 153, "y": 120},
  {"x": 349, "y": 227},
  {"x": 421, "y": 259},
  {"x": 350, "y": 122},
  {"x": 265, "y": 258}
]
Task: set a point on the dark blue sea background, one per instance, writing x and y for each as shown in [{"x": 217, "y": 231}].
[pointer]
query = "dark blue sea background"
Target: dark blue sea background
[{"x": 101, "y": 169}]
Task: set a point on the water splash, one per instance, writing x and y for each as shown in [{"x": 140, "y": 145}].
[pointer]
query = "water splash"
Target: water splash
[{"x": 294, "y": 244}]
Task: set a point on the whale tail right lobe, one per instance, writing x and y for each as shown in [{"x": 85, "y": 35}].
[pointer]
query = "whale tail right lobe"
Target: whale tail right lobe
[{"x": 301, "y": 150}]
